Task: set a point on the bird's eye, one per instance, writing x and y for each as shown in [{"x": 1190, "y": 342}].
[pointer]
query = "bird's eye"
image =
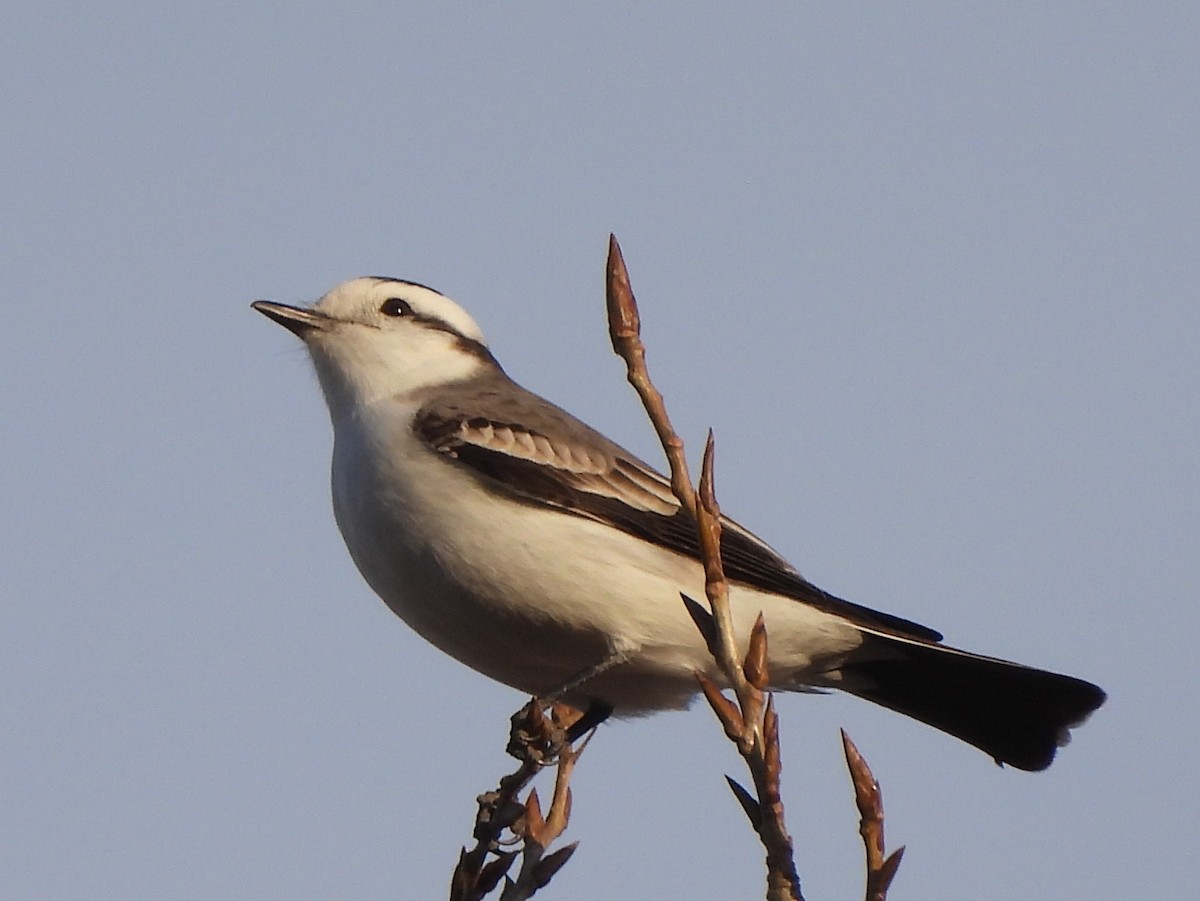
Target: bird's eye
[{"x": 396, "y": 306}]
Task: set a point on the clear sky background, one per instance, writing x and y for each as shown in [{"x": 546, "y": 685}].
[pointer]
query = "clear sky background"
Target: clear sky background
[{"x": 929, "y": 270}]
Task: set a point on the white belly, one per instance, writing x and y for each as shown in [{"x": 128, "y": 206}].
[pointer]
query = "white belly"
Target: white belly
[{"x": 532, "y": 596}]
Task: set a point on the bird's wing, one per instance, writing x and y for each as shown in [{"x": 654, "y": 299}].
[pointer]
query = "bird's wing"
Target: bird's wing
[{"x": 541, "y": 454}]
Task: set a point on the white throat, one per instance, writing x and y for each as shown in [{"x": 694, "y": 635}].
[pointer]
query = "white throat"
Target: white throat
[{"x": 357, "y": 367}]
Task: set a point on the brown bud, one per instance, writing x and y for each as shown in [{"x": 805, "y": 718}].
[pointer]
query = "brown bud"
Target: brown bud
[
  {"x": 535, "y": 823},
  {"x": 552, "y": 863},
  {"x": 750, "y": 805},
  {"x": 624, "y": 323},
  {"x": 755, "y": 665},
  {"x": 726, "y": 711}
]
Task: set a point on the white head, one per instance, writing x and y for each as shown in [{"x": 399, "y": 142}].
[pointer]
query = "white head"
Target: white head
[{"x": 378, "y": 337}]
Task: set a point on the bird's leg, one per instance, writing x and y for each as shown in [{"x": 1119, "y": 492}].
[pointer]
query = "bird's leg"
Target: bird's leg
[
  {"x": 615, "y": 657},
  {"x": 597, "y": 711}
]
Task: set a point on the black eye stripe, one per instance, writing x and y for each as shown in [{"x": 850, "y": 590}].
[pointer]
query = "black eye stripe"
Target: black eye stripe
[{"x": 398, "y": 308}]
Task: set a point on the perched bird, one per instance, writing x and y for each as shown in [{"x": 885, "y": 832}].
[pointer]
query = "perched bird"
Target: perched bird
[{"x": 540, "y": 553}]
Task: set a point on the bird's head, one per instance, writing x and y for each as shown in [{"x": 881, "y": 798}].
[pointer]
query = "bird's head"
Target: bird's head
[{"x": 379, "y": 337}]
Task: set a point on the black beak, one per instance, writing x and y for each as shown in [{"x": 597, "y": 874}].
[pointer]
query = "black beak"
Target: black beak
[{"x": 296, "y": 320}]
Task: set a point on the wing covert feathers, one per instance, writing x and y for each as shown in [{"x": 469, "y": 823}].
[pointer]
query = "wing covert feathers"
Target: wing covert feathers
[{"x": 542, "y": 455}]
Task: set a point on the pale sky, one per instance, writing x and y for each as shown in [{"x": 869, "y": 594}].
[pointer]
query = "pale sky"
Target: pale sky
[{"x": 928, "y": 270}]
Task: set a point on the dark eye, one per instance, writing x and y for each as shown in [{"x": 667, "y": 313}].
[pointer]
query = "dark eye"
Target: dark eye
[{"x": 396, "y": 306}]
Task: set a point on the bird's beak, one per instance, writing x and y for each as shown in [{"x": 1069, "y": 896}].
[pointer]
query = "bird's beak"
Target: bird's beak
[{"x": 296, "y": 320}]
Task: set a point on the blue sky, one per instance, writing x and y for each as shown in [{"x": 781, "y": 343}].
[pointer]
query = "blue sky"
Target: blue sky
[{"x": 928, "y": 270}]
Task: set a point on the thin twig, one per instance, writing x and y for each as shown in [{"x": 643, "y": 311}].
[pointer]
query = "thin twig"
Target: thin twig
[
  {"x": 537, "y": 741},
  {"x": 752, "y": 725},
  {"x": 881, "y": 869},
  {"x": 625, "y": 329},
  {"x": 539, "y": 832}
]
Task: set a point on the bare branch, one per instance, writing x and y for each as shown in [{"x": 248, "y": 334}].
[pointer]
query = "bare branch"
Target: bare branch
[
  {"x": 537, "y": 741},
  {"x": 753, "y": 719},
  {"x": 625, "y": 328},
  {"x": 751, "y": 723},
  {"x": 880, "y": 869}
]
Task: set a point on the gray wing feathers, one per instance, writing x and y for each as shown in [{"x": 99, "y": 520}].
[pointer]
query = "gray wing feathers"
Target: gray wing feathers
[{"x": 543, "y": 455}]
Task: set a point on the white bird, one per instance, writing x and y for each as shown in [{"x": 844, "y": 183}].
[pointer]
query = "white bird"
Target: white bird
[{"x": 543, "y": 555}]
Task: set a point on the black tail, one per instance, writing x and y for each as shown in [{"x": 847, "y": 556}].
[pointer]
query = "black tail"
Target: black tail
[{"x": 1017, "y": 714}]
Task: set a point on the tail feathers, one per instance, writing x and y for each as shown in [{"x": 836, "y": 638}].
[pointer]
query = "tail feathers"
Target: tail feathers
[{"x": 1017, "y": 714}]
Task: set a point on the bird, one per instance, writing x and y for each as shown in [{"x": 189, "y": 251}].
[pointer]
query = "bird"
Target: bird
[{"x": 542, "y": 554}]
